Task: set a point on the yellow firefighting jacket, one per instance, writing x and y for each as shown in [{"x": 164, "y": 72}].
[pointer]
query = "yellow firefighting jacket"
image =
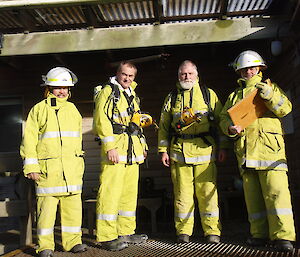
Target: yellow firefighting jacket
[
  {"x": 261, "y": 145},
  {"x": 111, "y": 124},
  {"x": 181, "y": 144},
  {"x": 52, "y": 146}
]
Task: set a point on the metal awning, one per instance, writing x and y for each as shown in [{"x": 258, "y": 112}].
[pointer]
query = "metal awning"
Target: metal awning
[{"x": 18, "y": 16}]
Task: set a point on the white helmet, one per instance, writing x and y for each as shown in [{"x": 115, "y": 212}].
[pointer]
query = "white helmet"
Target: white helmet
[
  {"x": 248, "y": 59},
  {"x": 59, "y": 76}
]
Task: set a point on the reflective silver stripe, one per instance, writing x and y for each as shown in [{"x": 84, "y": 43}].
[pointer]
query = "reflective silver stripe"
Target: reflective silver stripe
[
  {"x": 44, "y": 231},
  {"x": 185, "y": 215},
  {"x": 123, "y": 158},
  {"x": 176, "y": 115},
  {"x": 178, "y": 157},
  {"x": 107, "y": 217},
  {"x": 28, "y": 161},
  {"x": 70, "y": 133},
  {"x": 209, "y": 214},
  {"x": 199, "y": 158},
  {"x": 71, "y": 229},
  {"x": 127, "y": 213},
  {"x": 121, "y": 114},
  {"x": 257, "y": 215},
  {"x": 268, "y": 164},
  {"x": 163, "y": 142},
  {"x": 62, "y": 189},
  {"x": 204, "y": 113},
  {"x": 143, "y": 141},
  {"x": 53, "y": 134},
  {"x": 280, "y": 103},
  {"x": 280, "y": 211},
  {"x": 108, "y": 139}
]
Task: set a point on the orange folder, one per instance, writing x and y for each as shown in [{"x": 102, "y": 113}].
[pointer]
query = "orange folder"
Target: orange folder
[{"x": 246, "y": 111}]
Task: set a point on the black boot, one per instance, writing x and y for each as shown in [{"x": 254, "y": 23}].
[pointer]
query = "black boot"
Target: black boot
[
  {"x": 114, "y": 245},
  {"x": 282, "y": 245}
]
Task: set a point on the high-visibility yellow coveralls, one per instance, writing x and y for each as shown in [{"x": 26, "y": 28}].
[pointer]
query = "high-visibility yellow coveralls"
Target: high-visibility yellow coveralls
[
  {"x": 52, "y": 146},
  {"x": 192, "y": 152},
  {"x": 117, "y": 196},
  {"x": 260, "y": 152}
]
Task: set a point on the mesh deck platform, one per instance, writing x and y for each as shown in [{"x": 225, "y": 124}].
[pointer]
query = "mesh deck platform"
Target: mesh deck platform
[{"x": 162, "y": 248}]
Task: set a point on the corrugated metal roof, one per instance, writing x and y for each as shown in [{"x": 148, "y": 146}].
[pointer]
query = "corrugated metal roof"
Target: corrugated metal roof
[{"x": 124, "y": 13}]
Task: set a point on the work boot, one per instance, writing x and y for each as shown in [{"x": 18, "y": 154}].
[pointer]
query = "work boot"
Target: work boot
[
  {"x": 114, "y": 245},
  {"x": 134, "y": 238},
  {"x": 183, "y": 239},
  {"x": 282, "y": 245},
  {"x": 79, "y": 248},
  {"x": 46, "y": 253},
  {"x": 254, "y": 241},
  {"x": 213, "y": 239}
]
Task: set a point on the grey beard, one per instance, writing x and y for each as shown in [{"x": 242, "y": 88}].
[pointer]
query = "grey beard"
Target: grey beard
[{"x": 186, "y": 85}]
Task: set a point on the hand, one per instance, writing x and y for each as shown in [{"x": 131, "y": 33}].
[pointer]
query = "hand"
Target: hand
[
  {"x": 222, "y": 155},
  {"x": 165, "y": 159},
  {"x": 234, "y": 130},
  {"x": 145, "y": 154},
  {"x": 34, "y": 176},
  {"x": 113, "y": 155},
  {"x": 265, "y": 90}
]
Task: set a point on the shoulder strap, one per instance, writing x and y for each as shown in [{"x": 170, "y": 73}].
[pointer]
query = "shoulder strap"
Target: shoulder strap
[{"x": 206, "y": 96}]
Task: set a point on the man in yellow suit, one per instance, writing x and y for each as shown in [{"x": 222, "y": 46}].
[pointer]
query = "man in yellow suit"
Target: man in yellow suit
[
  {"x": 188, "y": 141},
  {"x": 53, "y": 158},
  {"x": 260, "y": 151},
  {"x": 123, "y": 148}
]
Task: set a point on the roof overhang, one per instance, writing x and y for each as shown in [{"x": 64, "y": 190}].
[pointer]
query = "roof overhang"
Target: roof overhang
[{"x": 140, "y": 36}]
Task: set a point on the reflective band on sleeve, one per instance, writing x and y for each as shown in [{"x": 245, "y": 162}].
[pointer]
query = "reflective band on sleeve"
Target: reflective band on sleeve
[
  {"x": 280, "y": 211},
  {"x": 107, "y": 217},
  {"x": 44, "y": 231},
  {"x": 143, "y": 141},
  {"x": 257, "y": 215},
  {"x": 268, "y": 164},
  {"x": 28, "y": 161},
  {"x": 163, "y": 142},
  {"x": 108, "y": 139},
  {"x": 127, "y": 213},
  {"x": 71, "y": 229},
  {"x": 280, "y": 103},
  {"x": 210, "y": 214},
  {"x": 62, "y": 189},
  {"x": 54, "y": 134},
  {"x": 185, "y": 215}
]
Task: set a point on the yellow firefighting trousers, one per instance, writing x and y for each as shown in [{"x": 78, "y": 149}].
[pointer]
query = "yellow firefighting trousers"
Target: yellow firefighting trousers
[
  {"x": 268, "y": 203},
  {"x": 70, "y": 207},
  {"x": 201, "y": 181},
  {"x": 116, "y": 201}
]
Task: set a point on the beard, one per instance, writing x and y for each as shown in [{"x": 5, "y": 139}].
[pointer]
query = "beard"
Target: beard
[{"x": 186, "y": 85}]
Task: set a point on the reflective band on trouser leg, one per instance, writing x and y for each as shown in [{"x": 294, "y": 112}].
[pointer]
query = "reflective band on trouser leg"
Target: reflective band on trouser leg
[
  {"x": 46, "y": 214},
  {"x": 259, "y": 227},
  {"x": 207, "y": 195},
  {"x": 278, "y": 203},
  {"x": 127, "y": 207},
  {"x": 183, "y": 186},
  {"x": 71, "y": 218},
  {"x": 108, "y": 200}
]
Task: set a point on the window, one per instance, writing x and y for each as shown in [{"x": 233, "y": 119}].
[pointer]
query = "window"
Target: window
[{"x": 10, "y": 124}]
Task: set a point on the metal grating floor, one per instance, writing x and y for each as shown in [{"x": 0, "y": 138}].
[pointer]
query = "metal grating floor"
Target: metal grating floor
[{"x": 162, "y": 248}]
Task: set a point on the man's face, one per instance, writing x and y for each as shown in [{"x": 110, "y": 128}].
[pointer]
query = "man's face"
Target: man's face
[
  {"x": 249, "y": 72},
  {"x": 60, "y": 92},
  {"x": 187, "y": 76},
  {"x": 125, "y": 76}
]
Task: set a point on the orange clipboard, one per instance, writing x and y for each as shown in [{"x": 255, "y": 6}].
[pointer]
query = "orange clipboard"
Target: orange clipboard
[{"x": 246, "y": 111}]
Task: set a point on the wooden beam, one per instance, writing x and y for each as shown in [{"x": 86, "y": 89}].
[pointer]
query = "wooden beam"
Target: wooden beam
[{"x": 140, "y": 36}]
